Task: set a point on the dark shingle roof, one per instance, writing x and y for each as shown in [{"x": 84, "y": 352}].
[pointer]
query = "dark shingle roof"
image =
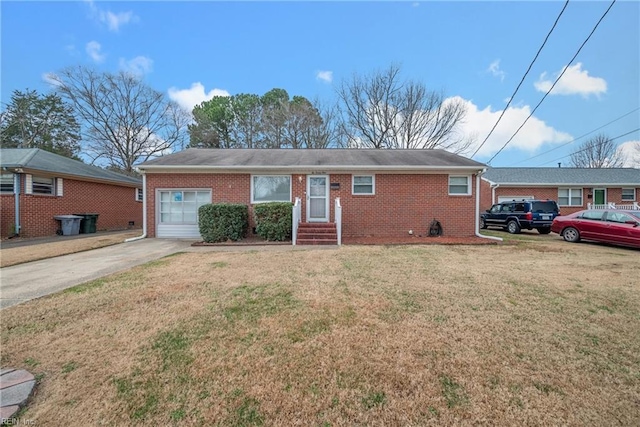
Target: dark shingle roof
[
  {"x": 328, "y": 159},
  {"x": 35, "y": 159},
  {"x": 563, "y": 176}
]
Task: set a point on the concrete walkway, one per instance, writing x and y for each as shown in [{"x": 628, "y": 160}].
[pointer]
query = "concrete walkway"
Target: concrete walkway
[{"x": 24, "y": 282}]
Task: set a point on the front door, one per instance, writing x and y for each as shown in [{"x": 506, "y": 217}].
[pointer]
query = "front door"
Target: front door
[
  {"x": 599, "y": 196},
  {"x": 317, "y": 198}
]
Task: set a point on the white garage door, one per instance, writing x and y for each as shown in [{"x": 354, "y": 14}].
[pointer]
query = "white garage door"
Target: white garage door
[
  {"x": 177, "y": 212},
  {"x": 510, "y": 198}
]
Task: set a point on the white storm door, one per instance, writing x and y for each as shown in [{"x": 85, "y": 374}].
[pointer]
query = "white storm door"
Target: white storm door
[{"x": 317, "y": 198}]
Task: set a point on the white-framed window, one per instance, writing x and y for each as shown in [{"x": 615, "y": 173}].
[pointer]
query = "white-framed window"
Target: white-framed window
[
  {"x": 629, "y": 194},
  {"x": 139, "y": 194},
  {"x": 6, "y": 183},
  {"x": 270, "y": 188},
  {"x": 459, "y": 185},
  {"x": 181, "y": 206},
  {"x": 570, "y": 196},
  {"x": 42, "y": 185},
  {"x": 363, "y": 184}
]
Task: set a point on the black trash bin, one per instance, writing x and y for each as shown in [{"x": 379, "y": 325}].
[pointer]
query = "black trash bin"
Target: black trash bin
[{"x": 88, "y": 222}]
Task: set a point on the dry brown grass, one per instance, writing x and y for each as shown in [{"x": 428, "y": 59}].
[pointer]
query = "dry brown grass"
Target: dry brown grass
[
  {"x": 415, "y": 335},
  {"x": 35, "y": 252}
]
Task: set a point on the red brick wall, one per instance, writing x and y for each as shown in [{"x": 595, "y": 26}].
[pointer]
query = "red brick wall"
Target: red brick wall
[
  {"x": 115, "y": 205},
  {"x": 614, "y": 195},
  {"x": 401, "y": 202}
]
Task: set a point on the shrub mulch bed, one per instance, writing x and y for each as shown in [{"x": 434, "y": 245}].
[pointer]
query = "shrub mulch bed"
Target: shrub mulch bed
[
  {"x": 367, "y": 240},
  {"x": 415, "y": 240},
  {"x": 247, "y": 241}
]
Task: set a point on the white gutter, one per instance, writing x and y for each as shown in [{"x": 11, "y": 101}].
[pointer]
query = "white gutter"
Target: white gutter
[
  {"x": 295, "y": 168},
  {"x": 478, "y": 210},
  {"x": 144, "y": 211}
]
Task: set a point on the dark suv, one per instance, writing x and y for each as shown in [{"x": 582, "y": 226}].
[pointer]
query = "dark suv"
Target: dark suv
[{"x": 518, "y": 214}]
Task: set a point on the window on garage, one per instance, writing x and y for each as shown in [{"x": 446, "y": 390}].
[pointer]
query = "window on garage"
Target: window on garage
[{"x": 181, "y": 206}]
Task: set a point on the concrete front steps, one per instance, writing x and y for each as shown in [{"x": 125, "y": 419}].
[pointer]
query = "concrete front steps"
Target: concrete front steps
[{"x": 317, "y": 233}]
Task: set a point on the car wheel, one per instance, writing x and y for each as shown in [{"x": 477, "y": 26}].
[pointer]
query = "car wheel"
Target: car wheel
[
  {"x": 544, "y": 230},
  {"x": 513, "y": 227},
  {"x": 570, "y": 234},
  {"x": 483, "y": 223}
]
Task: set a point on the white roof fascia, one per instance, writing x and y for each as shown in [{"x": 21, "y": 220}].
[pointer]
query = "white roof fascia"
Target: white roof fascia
[
  {"x": 297, "y": 168},
  {"x": 565, "y": 184}
]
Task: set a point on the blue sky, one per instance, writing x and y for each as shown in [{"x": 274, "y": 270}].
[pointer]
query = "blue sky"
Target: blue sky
[{"x": 477, "y": 51}]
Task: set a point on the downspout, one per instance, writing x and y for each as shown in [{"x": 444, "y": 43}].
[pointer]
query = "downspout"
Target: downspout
[
  {"x": 144, "y": 211},
  {"x": 493, "y": 193},
  {"x": 478, "y": 210},
  {"x": 16, "y": 197}
]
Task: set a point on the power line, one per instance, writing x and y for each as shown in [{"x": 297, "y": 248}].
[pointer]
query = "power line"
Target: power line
[
  {"x": 588, "y": 148},
  {"x": 575, "y": 139},
  {"x": 522, "y": 80},
  {"x": 555, "y": 82}
]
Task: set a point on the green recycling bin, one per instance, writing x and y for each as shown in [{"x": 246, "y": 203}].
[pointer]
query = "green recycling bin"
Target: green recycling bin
[{"x": 88, "y": 222}]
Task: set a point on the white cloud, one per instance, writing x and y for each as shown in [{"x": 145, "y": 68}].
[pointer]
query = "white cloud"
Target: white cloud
[
  {"x": 113, "y": 20},
  {"x": 494, "y": 69},
  {"x": 93, "y": 49},
  {"x": 325, "y": 76},
  {"x": 50, "y": 79},
  {"x": 415, "y": 4},
  {"x": 574, "y": 81},
  {"x": 138, "y": 66},
  {"x": 631, "y": 152},
  {"x": 189, "y": 98},
  {"x": 478, "y": 122}
]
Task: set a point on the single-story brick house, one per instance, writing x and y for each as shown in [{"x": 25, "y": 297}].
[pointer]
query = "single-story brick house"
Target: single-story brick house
[
  {"x": 366, "y": 192},
  {"x": 37, "y": 185},
  {"x": 573, "y": 188}
]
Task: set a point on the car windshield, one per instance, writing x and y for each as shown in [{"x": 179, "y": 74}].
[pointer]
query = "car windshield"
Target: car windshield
[{"x": 544, "y": 206}]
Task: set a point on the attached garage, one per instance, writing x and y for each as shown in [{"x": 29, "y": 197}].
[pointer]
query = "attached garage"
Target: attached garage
[{"x": 177, "y": 212}]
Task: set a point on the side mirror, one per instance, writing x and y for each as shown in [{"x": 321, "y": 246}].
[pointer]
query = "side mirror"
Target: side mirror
[
  {"x": 488, "y": 211},
  {"x": 632, "y": 222}
]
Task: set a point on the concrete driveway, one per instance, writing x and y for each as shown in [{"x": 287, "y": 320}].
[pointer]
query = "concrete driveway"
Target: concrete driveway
[{"x": 24, "y": 282}]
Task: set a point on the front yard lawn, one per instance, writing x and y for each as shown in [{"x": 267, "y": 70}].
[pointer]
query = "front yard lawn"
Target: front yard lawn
[{"x": 542, "y": 333}]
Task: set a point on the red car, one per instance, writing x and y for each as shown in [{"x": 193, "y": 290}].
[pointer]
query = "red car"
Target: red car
[{"x": 608, "y": 226}]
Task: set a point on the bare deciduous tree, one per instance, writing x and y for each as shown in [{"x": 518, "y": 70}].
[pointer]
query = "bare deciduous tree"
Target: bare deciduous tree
[
  {"x": 597, "y": 152},
  {"x": 124, "y": 121},
  {"x": 382, "y": 111}
]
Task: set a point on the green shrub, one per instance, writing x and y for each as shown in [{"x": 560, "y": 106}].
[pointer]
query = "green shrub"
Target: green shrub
[
  {"x": 220, "y": 222},
  {"x": 273, "y": 220}
]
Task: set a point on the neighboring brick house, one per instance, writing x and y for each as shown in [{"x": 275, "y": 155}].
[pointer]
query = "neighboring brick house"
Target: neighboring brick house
[
  {"x": 38, "y": 185},
  {"x": 382, "y": 192},
  {"x": 573, "y": 188}
]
